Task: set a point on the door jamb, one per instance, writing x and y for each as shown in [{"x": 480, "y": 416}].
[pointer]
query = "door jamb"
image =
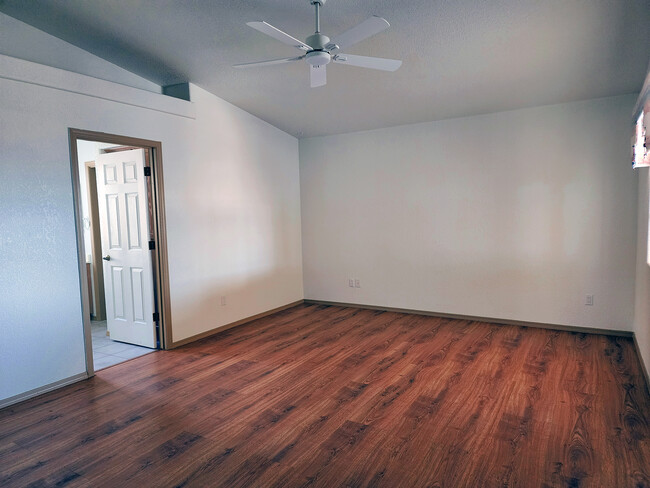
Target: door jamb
[
  {"x": 97, "y": 280},
  {"x": 160, "y": 259}
]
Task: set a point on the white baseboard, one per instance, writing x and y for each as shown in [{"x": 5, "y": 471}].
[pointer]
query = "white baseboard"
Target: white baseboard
[{"x": 21, "y": 397}]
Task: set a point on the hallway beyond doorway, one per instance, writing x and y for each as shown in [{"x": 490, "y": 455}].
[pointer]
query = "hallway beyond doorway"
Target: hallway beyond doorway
[{"x": 107, "y": 352}]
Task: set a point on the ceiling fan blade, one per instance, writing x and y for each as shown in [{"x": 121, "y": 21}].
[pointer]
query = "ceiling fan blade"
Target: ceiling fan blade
[
  {"x": 270, "y": 62},
  {"x": 367, "y": 62},
  {"x": 318, "y": 75},
  {"x": 277, "y": 34},
  {"x": 365, "y": 29}
]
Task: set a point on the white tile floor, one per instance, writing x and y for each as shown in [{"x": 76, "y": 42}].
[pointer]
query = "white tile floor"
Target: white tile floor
[{"x": 107, "y": 352}]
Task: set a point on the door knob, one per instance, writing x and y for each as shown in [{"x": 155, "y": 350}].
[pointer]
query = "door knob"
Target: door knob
[{"x": 106, "y": 258}]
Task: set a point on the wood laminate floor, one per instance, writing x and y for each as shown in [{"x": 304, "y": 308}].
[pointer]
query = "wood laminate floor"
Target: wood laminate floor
[{"x": 331, "y": 396}]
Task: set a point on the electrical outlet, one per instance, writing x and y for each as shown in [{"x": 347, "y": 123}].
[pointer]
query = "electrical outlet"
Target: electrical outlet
[
  {"x": 357, "y": 284},
  {"x": 223, "y": 301},
  {"x": 589, "y": 300},
  {"x": 351, "y": 283}
]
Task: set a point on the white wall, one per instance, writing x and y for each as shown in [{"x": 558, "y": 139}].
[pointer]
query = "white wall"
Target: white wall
[
  {"x": 232, "y": 202},
  {"x": 642, "y": 302},
  {"x": 515, "y": 215}
]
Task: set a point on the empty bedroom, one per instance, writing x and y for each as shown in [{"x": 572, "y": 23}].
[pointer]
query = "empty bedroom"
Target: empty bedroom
[{"x": 325, "y": 243}]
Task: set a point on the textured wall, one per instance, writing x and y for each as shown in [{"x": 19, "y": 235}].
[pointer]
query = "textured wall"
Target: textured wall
[
  {"x": 23, "y": 41},
  {"x": 514, "y": 215},
  {"x": 233, "y": 217}
]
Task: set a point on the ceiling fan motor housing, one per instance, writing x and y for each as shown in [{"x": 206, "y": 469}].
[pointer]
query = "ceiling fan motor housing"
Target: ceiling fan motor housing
[{"x": 317, "y": 41}]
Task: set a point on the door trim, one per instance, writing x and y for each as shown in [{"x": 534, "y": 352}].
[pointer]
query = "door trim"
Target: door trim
[
  {"x": 95, "y": 241},
  {"x": 160, "y": 259}
]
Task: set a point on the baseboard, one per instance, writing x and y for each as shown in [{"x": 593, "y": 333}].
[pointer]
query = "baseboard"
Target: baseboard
[
  {"x": 490, "y": 320},
  {"x": 644, "y": 370},
  {"x": 222, "y": 328},
  {"x": 21, "y": 397}
]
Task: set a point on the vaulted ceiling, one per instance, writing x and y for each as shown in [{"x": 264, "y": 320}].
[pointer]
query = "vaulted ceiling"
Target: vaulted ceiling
[{"x": 460, "y": 57}]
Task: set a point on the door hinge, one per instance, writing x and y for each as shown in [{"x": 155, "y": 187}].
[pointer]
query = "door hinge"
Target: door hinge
[
  {"x": 152, "y": 245},
  {"x": 147, "y": 170},
  {"x": 156, "y": 316}
]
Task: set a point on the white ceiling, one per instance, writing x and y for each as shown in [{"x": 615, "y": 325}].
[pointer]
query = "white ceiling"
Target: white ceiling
[{"x": 461, "y": 57}]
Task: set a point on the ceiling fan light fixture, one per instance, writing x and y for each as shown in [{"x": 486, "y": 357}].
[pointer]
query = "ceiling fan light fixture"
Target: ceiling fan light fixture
[{"x": 318, "y": 58}]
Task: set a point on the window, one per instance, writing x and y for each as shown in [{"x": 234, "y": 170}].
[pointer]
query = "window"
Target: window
[{"x": 640, "y": 145}]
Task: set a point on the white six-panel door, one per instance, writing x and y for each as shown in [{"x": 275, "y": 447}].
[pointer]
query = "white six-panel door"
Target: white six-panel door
[{"x": 124, "y": 223}]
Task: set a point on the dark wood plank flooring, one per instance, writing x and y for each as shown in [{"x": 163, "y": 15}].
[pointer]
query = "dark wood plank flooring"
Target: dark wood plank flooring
[{"x": 331, "y": 396}]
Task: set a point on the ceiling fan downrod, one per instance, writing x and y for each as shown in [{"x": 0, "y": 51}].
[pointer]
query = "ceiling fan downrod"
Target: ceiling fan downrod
[
  {"x": 317, "y": 4},
  {"x": 318, "y": 41}
]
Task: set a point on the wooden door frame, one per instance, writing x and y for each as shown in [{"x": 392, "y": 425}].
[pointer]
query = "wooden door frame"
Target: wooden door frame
[
  {"x": 95, "y": 242},
  {"x": 160, "y": 259}
]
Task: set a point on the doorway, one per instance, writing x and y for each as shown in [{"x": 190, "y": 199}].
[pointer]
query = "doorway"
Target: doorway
[{"x": 119, "y": 207}]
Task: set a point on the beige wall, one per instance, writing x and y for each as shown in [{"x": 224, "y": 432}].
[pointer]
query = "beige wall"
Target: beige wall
[{"x": 515, "y": 215}]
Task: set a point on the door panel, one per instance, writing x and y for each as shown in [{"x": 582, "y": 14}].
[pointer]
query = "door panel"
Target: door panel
[
  {"x": 133, "y": 220},
  {"x": 124, "y": 223},
  {"x": 110, "y": 174},
  {"x": 117, "y": 286},
  {"x": 113, "y": 219},
  {"x": 137, "y": 284},
  {"x": 130, "y": 172}
]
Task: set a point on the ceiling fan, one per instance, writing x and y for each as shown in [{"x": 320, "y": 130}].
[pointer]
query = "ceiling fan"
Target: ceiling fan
[{"x": 319, "y": 50}]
